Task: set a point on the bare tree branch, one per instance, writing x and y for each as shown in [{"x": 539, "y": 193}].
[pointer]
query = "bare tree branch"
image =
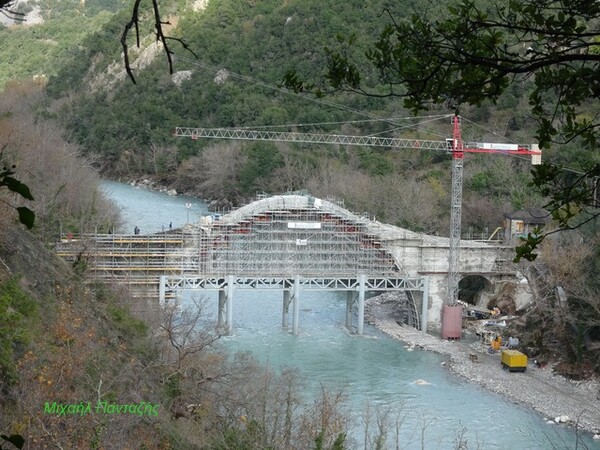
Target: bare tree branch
[{"x": 134, "y": 22}]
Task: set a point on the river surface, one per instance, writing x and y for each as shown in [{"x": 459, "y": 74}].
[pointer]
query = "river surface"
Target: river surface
[{"x": 374, "y": 369}]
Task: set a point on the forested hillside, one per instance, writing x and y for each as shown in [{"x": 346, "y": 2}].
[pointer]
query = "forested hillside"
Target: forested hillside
[
  {"x": 50, "y": 34},
  {"x": 232, "y": 76},
  {"x": 243, "y": 50}
]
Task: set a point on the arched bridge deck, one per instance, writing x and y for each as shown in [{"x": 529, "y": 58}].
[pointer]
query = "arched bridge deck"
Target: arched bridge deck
[{"x": 287, "y": 242}]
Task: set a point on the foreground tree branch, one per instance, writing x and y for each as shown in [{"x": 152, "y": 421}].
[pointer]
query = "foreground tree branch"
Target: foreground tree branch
[{"x": 134, "y": 23}]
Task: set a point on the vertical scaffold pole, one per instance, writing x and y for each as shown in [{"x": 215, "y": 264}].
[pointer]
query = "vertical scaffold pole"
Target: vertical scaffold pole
[
  {"x": 161, "y": 289},
  {"x": 349, "y": 305},
  {"x": 361, "y": 304},
  {"x": 286, "y": 308},
  {"x": 221, "y": 311},
  {"x": 425, "y": 304},
  {"x": 229, "y": 323},
  {"x": 296, "y": 305}
]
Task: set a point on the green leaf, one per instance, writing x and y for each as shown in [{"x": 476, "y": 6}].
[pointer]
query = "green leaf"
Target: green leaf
[
  {"x": 15, "y": 439},
  {"x": 530, "y": 244},
  {"x": 15, "y": 185},
  {"x": 26, "y": 216}
]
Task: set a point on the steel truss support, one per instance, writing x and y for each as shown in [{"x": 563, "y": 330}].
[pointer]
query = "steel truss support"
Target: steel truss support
[
  {"x": 355, "y": 288},
  {"x": 377, "y": 284}
]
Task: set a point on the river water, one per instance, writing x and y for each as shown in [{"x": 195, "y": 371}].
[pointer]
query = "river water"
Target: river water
[{"x": 373, "y": 369}]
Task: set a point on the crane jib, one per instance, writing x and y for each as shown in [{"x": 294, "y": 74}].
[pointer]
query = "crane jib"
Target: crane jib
[
  {"x": 367, "y": 141},
  {"x": 310, "y": 138}
]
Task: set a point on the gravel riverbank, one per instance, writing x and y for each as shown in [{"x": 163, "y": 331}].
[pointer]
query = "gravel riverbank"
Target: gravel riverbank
[{"x": 553, "y": 396}]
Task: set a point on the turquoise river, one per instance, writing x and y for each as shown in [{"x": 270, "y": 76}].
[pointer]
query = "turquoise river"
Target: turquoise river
[{"x": 374, "y": 369}]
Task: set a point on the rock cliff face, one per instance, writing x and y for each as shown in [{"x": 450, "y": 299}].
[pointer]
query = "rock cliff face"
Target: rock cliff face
[
  {"x": 33, "y": 17},
  {"x": 199, "y": 5}
]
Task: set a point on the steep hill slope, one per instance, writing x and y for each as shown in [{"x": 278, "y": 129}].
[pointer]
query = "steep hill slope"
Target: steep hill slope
[
  {"x": 50, "y": 33},
  {"x": 60, "y": 341}
]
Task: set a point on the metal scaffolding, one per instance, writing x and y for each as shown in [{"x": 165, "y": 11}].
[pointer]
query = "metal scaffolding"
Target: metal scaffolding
[
  {"x": 291, "y": 242},
  {"x": 135, "y": 260},
  {"x": 297, "y": 241}
]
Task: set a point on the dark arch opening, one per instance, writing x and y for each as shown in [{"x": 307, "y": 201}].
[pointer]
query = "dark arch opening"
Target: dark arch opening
[
  {"x": 594, "y": 334},
  {"x": 592, "y": 338},
  {"x": 471, "y": 287}
]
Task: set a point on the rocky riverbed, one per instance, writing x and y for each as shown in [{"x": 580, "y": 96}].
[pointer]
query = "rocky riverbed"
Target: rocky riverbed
[{"x": 559, "y": 400}]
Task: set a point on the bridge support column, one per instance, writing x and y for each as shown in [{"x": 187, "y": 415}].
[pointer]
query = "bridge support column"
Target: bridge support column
[
  {"x": 221, "y": 311},
  {"x": 296, "y": 305},
  {"x": 425, "y": 304},
  {"x": 286, "y": 309},
  {"x": 349, "y": 306},
  {"x": 361, "y": 304},
  {"x": 229, "y": 302}
]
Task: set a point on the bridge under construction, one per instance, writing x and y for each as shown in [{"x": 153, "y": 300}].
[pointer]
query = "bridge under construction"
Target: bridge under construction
[{"x": 291, "y": 243}]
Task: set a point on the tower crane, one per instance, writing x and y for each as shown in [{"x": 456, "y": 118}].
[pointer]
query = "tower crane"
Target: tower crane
[{"x": 452, "y": 311}]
